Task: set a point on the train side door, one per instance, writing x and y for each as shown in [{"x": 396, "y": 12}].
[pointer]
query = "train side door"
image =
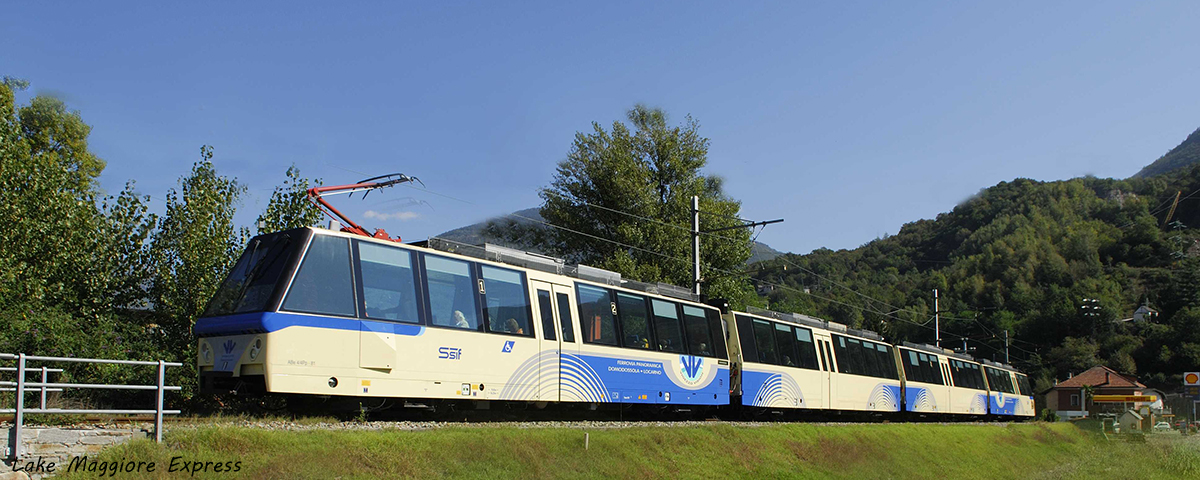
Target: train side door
[
  {"x": 556, "y": 317},
  {"x": 825, "y": 359}
]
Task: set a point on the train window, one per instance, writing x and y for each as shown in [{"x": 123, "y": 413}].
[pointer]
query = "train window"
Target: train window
[
  {"x": 999, "y": 380},
  {"x": 388, "y": 285},
  {"x": 451, "y": 293},
  {"x": 887, "y": 361},
  {"x": 746, "y": 338},
  {"x": 764, "y": 341},
  {"x": 1023, "y": 385},
  {"x": 830, "y": 361},
  {"x": 666, "y": 327},
  {"x": 933, "y": 370},
  {"x": 253, "y": 279},
  {"x": 635, "y": 324},
  {"x": 597, "y": 312},
  {"x": 324, "y": 284},
  {"x": 858, "y": 364},
  {"x": 547, "y": 313},
  {"x": 842, "y": 355},
  {"x": 699, "y": 335},
  {"x": 966, "y": 375},
  {"x": 564, "y": 318},
  {"x": 911, "y": 363},
  {"x": 507, "y": 302},
  {"x": 806, "y": 355},
  {"x": 824, "y": 361},
  {"x": 871, "y": 360},
  {"x": 717, "y": 326},
  {"x": 785, "y": 341}
]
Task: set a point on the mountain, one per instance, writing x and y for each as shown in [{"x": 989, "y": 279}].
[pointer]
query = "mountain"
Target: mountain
[
  {"x": 473, "y": 235},
  {"x": 1187, "y": 153},
  {"x": 1057, "y": 266}
]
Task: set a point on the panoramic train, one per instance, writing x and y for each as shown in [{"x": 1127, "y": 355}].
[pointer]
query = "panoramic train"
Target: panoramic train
[{"x": 314, "y": 313}]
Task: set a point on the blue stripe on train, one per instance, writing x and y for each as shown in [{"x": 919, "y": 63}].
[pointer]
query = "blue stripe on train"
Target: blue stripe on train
[{"x": 264, "y": 322}]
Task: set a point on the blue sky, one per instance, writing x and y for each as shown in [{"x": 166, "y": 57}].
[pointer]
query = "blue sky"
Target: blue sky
[{"x": 847, "y": 119}]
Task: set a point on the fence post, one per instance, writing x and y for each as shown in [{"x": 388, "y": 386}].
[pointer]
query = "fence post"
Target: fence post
[
  {"x": 19, "y": 415},
  {"x": 158, "y": 407},
  {"x": 45, "y": 378}
]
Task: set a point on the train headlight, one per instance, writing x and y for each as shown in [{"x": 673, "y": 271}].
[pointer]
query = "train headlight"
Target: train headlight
[
  {"x": 205, "y": 353},
  {"x": 254, "y": 349}
]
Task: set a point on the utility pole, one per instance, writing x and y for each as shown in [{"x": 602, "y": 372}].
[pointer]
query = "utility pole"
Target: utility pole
[
  {"x": 937, "y": 328},
  {"x": 696, "y": 245},
  {"x": 1006, "y": 347},
  {"x": 696, "y": 279}
]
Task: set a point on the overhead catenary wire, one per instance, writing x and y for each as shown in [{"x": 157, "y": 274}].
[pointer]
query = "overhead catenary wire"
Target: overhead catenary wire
[{"x": 673, "y": 257}]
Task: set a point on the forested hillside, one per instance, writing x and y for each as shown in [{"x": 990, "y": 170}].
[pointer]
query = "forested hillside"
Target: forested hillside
[
  {"x": 1023, "y": 256},
  {"x": 1187, "y": 153}
]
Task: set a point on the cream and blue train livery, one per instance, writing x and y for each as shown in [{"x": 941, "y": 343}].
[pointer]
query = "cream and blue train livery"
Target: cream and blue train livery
[
  {"x": 318, "y": 312},
  {"x": 315, "y": 312},
  {"x": 795, "y": 361}
]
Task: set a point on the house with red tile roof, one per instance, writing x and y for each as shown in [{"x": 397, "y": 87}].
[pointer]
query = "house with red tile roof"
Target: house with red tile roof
[{"x": 1068, "y": 399}]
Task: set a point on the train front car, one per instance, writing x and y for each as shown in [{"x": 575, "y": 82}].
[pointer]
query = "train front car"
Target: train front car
[
  {"x": 790, "y": 361},
  {"x": 323, "y": 313},
  {"x": 1009, "y": 392}
]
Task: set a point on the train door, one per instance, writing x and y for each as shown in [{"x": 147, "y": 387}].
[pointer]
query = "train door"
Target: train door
[
  {"x": 825, "y": 359},
  {"x": 550, "y": 338},
  {"x": 554, "y": 305}
]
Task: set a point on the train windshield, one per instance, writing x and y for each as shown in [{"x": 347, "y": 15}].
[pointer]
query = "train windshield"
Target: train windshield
[{"x": 251, "y": 283}]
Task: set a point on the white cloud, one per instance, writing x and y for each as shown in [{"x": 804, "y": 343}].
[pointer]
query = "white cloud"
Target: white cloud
[{"x": 402, "y": 216}]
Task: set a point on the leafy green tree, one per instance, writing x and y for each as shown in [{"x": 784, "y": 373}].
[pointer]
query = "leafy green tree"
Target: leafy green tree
[
  {"x": 194, "y": 247},
  {"x": 49, "y": 247},
  {"x": 649, "y": 170},
  {"x": 289, "y": 206}
]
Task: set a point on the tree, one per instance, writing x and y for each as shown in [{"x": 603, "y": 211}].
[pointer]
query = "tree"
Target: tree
[
  {"x": 289, "y": 206},
  {"x": 49, "y": 246},
  {"x": 191, "y": 252},
  {"x": 622, "y": 201}
]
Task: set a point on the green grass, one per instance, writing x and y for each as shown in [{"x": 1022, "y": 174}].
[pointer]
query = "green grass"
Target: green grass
[{"x": 776, "y": 451}]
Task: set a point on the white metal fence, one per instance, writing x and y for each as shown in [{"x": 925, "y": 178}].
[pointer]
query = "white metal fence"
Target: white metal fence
[{"x": 20, "y": 386}]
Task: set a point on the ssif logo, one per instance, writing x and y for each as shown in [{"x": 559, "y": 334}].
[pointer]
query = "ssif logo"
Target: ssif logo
[
  {"x": 508, "y": 346},
  {"x": 228, "y": 345},
  {"x": 691, "y": 367},
  {"x": 450, "y": 353}
]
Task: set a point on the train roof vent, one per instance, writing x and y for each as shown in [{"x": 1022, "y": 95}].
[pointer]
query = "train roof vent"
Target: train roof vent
[
  {"x": 598, "y": 275},
  {"x": 664, "y": 289},
  {"x": 997, "y": 364},
  {"x": 451, "y": 246},
  {"x": 963, "y": 356},
  {"x": 865, "y": 334},
  {"x": 925, "y": 347},
  {"x": 497, "y": 253},
  {"x": 797, "y": 318},
  {"x": 525, "y": 259}
]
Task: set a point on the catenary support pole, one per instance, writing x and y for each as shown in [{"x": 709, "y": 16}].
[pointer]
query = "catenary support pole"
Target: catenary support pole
[
  {"x": 1006, "y": 347},
  {"x": 937, "y": 328},
  {"x": 696, "y": 245}
]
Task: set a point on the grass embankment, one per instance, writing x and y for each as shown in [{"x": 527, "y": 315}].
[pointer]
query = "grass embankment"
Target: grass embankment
[{"x": 774, "y": 451}]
